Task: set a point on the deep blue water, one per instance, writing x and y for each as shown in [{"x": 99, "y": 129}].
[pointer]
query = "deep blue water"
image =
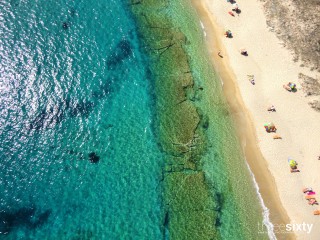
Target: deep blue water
[{"x": 78, "y": 157}]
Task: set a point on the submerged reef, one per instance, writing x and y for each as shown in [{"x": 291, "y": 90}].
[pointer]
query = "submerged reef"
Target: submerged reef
[
  {"x": 52, "y": 115},
  {"x": 28, "y": 217},
  {"x": 121, "y": 52},
  {"x": 190, "y": 210}
]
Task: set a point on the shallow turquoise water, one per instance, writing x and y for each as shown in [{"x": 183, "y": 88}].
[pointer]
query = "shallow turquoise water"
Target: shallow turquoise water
[{"x": 73, "y": 82}]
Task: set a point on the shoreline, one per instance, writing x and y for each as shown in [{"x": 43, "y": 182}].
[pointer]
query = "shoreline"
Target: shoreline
[
  {"x": 273, "y": 65},
  {"x": 247, "y": 136},
  {"x": 180, "y": 127},
  {"x": 201, "y": 173}
]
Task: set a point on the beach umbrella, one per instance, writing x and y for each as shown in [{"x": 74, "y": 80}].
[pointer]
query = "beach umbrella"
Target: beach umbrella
[
  {"x": 292, "y": 85},
  {"x": 235, "y": 6},
  {"x": 269, "y": 125},
  {"x": 292, "y": 163}
]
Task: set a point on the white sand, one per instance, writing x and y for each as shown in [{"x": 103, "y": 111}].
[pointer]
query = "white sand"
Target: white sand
[{"x": 297, "y": 123}]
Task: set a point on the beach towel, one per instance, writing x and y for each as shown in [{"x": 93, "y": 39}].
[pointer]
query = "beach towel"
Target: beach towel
[
  {"x": 309, "y": 197},
  {"x": 276, "y": 136},
  {"x": 311, "y": 193}
]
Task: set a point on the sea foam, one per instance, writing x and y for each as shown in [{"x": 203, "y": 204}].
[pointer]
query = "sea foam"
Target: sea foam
[
  {"x": 266, "y": 213},
  {"x": 204, "y": 31}
]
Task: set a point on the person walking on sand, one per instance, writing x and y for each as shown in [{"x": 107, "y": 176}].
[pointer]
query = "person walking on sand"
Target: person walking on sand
[{"x": 219, "y": 54}]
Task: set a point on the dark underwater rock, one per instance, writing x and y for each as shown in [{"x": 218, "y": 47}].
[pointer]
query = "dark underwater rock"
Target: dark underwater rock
[
  {"x": 65, "y": 25},
  {"x": 93, "y": 157}
]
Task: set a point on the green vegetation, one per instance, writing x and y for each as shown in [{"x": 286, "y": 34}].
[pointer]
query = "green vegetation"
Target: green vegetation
[{"x": 296, "y": 23}]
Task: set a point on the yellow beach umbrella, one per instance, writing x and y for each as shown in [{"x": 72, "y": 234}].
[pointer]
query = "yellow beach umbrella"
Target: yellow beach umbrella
[{"x": 292, "y": 163}]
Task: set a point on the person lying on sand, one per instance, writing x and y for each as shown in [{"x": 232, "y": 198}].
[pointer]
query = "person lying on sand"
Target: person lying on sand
[
  {"x": 289, "y": 86},
  {"x": 313, "y": 201},
  {"x": 294, "y": 170},
  {"x": 316, "y": 212},
  {"x": 277, "y": 136},
  {"x": 244, "y": 52},
  {"x": 307, "y": 189},
  {"x": 251, "y": 79},
  {"x": 272, "y": 108}
]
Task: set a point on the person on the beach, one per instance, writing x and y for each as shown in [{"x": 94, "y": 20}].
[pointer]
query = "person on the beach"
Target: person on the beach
[
  {"x": 272, "y": 108},
  {"x": 219, "y": 54},
  {"x": 312, "y": 201},
  {"x": 307, "y": 189},
  {"x": 251, "y": 79}
]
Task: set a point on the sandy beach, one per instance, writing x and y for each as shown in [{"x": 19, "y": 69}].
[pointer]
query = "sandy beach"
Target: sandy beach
[{"x": 297, "y": 123}]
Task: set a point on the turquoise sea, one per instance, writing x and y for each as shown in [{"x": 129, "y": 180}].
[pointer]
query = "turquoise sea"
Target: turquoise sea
[
  {"x": 73, "y": 83},
  {"x": 80, "y": 152}
]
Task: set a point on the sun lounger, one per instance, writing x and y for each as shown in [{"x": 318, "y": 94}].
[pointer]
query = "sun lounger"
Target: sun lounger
[
  {"x": 308, "y": 197},
  {"x": 316, "y": 212}
]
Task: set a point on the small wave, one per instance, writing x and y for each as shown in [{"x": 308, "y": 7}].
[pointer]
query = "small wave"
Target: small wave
[
  {"x": 202, "y": 26},
  {"x": 266, "y": 213},
  {"x": 221, "y": 81}
]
